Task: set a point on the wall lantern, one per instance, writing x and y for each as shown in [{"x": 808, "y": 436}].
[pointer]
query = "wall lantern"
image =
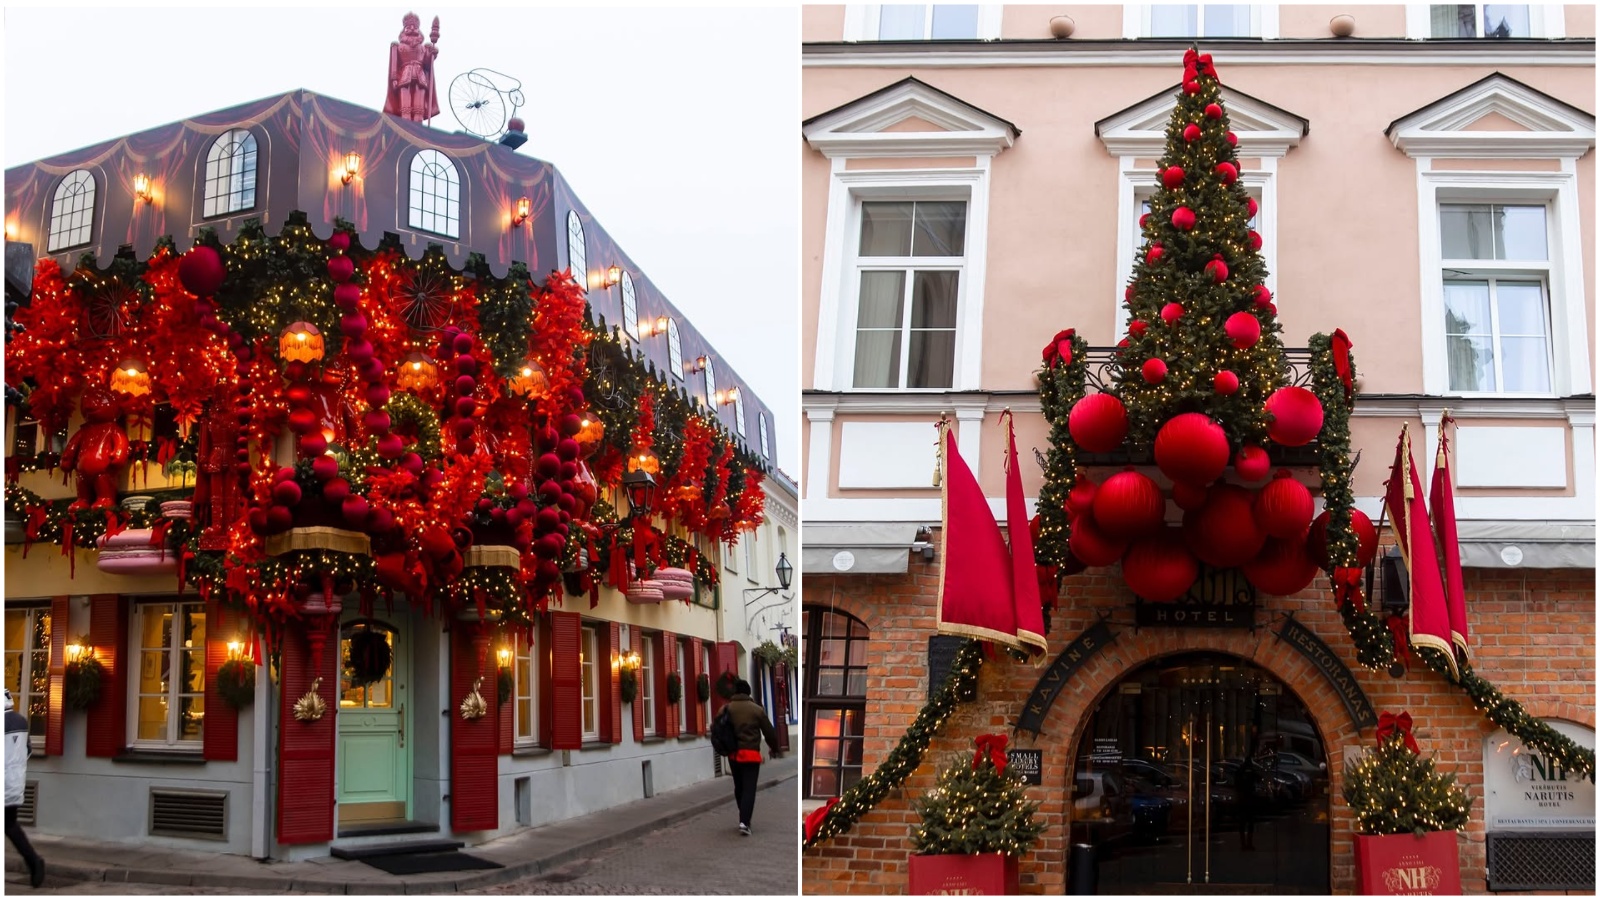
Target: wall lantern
[
  {"x": 699, "y": 365},
  {"x": 641, "y": 491},
  {"x": 141, "y": 187},
  {"x": 643, "y": 459},
  {"x": 130, "y": 378},
  {"x": 235, "y": 651},
  {"x": 76, "y": 652},
  {"x": 648, "y": 328},
  {"x": 613, "y": 275},
  {"x": 417, "y": 371},
  {"x": 352, "y": 166},
  {"x": 785, "y": 571},
  {"x": 728, "y": 396},
  {"x": 301, "y": 342},
  {"x": 630, "y": 661},
  {"x": 530, "y": 380},
  {"x": 504, "y": 656},
  {"x": 524, "y": 208}
]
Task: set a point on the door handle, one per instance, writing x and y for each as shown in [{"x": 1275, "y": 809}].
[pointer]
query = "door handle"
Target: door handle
[{"x": 402, "y": 726}]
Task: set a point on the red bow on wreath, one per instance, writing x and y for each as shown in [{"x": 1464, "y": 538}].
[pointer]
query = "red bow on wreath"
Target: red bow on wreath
[
  {"x": 1346, "y": 585},
  {"x": 1059, "y": 349},
  {"x": 815, "y": 817},
  {"x": 1389, "y": 723},
  {"x": 992, "y": 745}
]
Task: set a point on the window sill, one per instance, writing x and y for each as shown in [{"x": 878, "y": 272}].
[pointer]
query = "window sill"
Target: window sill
[
  {"x": 688, "y": 737},
  {"x": 530, "y": 752},
  {"x": 160, "y": 757},
  {"x": 653, "y": 739},
  {"x": 595, "y": 744}
]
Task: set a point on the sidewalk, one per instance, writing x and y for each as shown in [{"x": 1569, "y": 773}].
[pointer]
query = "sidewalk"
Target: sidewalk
[{"x": 530, "y": 852}]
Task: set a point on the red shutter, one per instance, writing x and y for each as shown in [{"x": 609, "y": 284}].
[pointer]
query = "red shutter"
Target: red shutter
[
  {"x": 222, "y": 721},
  {"x": 474, "y": 768},
  {"x": 670, "y": 641},
  {"x": 724, "y": 661},
  {"x": 691, "y": 689},
  {"x": 637, "y": 641},
  {"x": 55, "y": 731},
  {"x": 780, "y": 703},
  {"x": 305, "y": 749},
  {"x": 543, "y": 661},
  {"x": 566, "y": 681},
  {"x": 611, "y": 691},
  {"x": 108, "y": 636}
]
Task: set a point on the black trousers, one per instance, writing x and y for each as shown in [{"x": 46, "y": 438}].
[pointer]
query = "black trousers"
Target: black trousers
[
  {"x": 745, "y": 778},
  {"x": 19, "y": 839}
]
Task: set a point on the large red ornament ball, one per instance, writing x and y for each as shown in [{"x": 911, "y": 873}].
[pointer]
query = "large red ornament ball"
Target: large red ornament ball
[
  {"x": 1159, "y": 568},
  {"x": 1251, "y": 207},
  {"x": 1233, "y": 139},
  {"x": 1127, "y": 293},
  {"x": 340, "y": 269},
  {"x": 1098, "y": 423},
  {"x": 1172, "y": 176},
  {"x": 1092, "y": 546},
  {"x": 286, "y": 493},
  {"x": 1191, "y": 132},
  {"x": 1228, "y": 172},
  {"x": 313, "y": 446},
  {"x": 355, "y": 509},
  {"x": 335, "y": 491},
  {"x": 1224, "y": 532},
  {"x": 1263, "y": 296},
  {"x": 1137, "y": 327},
  {"x": 1282, "y": 568},
  {"x": 1225, "y": 383},
  {"x": 340, "y": 241},
  {"x": 1213, "y": 111},
  {"x": 1154, "y": 371},
  {"x": 347, "y": 297},
  {"x": 1243, "y": 329},
  {"x": 324, "y": 467},
  {"x": 1183, "y": 218},
  {"x": 1188, "y": 496},
  {"x": 1153, "y": 255},
  {"x": 1366, "y": 539},
  {"x": 1296, "y": 416},
  {"x": 1192, "y": 448},
  {"x": 1171, "y": 313},
  {"x": 1127, "y": 505},
  {"x": 1283, "y": 508},
  {"x": 201, "y": 271},
  {"x": 1191, "y": 87},
  {"x": 1217, "y": 269},
  {"x": 303, "y": 421},
  {"x": 390, "y": 446},
  {"x": 279, "y": 519},
  {"x": 1080, "y": 500},
  {"x": 1255, "y": 241},
  {"x": 1252, "y": 463}
]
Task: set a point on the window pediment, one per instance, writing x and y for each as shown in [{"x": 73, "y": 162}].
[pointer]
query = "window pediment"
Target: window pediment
[
  {"x": 1141, "y": 129},
  {"x": 908, "y": 118},
  {"x": 1495, "y": 117}
]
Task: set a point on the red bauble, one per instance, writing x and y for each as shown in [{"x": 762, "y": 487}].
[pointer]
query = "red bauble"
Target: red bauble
[
  {"x": 548, "y": 465},
  {"x": 378, "y": 395},
  {"x": 1188, "y": 496},
  {"x": 1223, "y": 532},
  {"x": 1283, "y": 508},
  {"x": 1183, "y": 218},
  {"x": 313, "y": 445},
  {"x": 467, "y": 365},
  {"x": 571, "y": 424},
  {"x": 353, "y": 326},
  {"x": 1366, "y": 539},
  {"x": 1153, "y": 255},
  {"x": 1228, "y": 172},
  {"x": 1192, "y": 448},
  {"x": 1296, "y": 416},
  {"x": 340, "y": 268},
  {"x": 1255, "y": 241},
  {"x": 355, "y": 509},
  {"x": 390, "y": 446},
  {"x": 298, "y": 394},
  {"x": 347, "y": 296},
  {"x": 1172, "y": 176},
  {"x": 1191, "y": 87},
  {"x": 339, "y": 242},
  {"x": 1282, "y": 568},
  {"x": 1233, "y": 139},
  {"x": 279, "y": 519},
  {"x": 1098, "y": 423},
  {"x": 1250, "y": 207},
  {"x": 1080, "y": 500},
  {"x": 1171, "y": 313},
  {"x": 286, "y": 493},
  {"x": 335, "y": 491},
  {"x": 1137, "y": 327},
  {"x": 1191, "y": 132},
  {"x": 1225, "y": 383},
  {"x": 257, "y": 518},
  {"x": 324, "y": 467},
  {"x": 1127, "y": 293},
  {"x": 1243, "y": 329},
  {"x": 1127, "y": 505},
  {"x": 1252, "y": 463},
  {"x": 380, "y": 521},
  {"x": 465, "y": 385},
  {"x": 1092, "y": 546},
  {"x": 375, "y": 420},
  {"x": 1263, "y": 297},
  {"x": 1159, "y": 568},
  {"x": 1154, "y": 371},
  {"x": 465, "y": 407},
  {"x": 1217, "y": 269},
  {"x": 1213, "y": 111},
  {"x": 201, "y": 271},
  {"x": 303, "y": 421}
]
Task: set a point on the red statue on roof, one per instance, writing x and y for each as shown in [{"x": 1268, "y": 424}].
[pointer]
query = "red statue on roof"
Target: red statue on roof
[{"x": 413, "y": 93}]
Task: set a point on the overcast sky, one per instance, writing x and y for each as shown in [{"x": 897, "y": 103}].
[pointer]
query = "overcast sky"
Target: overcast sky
[{"x": 676, "y": 127}]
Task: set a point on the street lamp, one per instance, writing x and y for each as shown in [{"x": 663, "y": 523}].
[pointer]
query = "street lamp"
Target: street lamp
[
  {"x": 641, "y": 491},
  {"x": 785, "y": 574}
]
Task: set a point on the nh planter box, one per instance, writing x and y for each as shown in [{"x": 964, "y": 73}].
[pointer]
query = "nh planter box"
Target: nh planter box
[
  {"x": 986, "y": 874},
  {"x": 1407, "y": 864}
]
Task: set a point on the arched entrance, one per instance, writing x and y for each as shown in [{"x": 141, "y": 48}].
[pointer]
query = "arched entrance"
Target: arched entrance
[{"x": 1202, "y": 772}]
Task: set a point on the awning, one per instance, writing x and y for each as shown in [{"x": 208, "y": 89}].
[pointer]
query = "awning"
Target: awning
[
  {"x": 857, "y": 548},
  {"x": 1526, "y": 545}
]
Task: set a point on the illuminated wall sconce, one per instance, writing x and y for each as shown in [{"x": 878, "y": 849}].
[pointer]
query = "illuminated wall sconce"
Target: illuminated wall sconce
[
  {"x": 130, "y": 378},
  {"x": 352, "y": 166},
  {"x": 76, "y": 652},
  {"x": 11, "y": 230},
  {"x": 235, "y": 651},
  {"x": 141, "y": 187},
  {"x": 301, "y": 342},
  {"x": 731, "y": 395},
  {"x": 524, "y": 208},
  {"x": 648, "y": 328},
  {"x": 630, "y": 661},
  {"x": 504, "y": 657},
  {"x": 698, "y": 365},
  {"x": 613, "y": 276}
]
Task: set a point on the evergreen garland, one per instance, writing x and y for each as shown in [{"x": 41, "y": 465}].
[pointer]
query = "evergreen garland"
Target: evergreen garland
[
  {"x": 1060, "y": 386},
  {"x": 976, "y": 809},
  {"x": 84, "y": 679},
  {"x": 1509, "y": 714},
  {"x": 630, "y": 685},
  {"x": 1393, "y": 790},
  {"x": 907, "y": 755}
]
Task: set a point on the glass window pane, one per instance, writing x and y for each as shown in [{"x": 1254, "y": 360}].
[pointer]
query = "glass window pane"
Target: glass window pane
[
  {"x": 831, "y": 653},
  {"x": 1174, "y": 20},
  {"x": 933, "y": 299},
  {"x": 886, "y": 228},
  {"x": 898, "y": 22},
  {"x": 882, "y": 299},
  {"x": 191, "y": 717},
  {"x": 1526, "y": 364},
  {"x": 824, "y": 782},
  {"x": 855, "y": 721},
  {"x": 1521, "y": 308},
  {"x": 1521, "y": 234},
  {"x": 825, "y": 723},
  {"x": 858, "y": 653},
  {"x": 933, "y": 359},
  {"x": 1471, "y": 361},
  {"x": 152, "y": 719},
  {"x": 852, "y": 752},
  {"x": 830, "y": 683},
  {"x": 941, "y": 229},
  {"x": 857, "y": 686},
  {"x": 1466, "y": 231},
  {"x": 1466, "y": 307},
  {"x": 825, "y": 751},
  {"x": 1504, "y": 20},
  {"x": 1227, "y": 20},
  {"x": 877, "y": 359},
  {"x": 849, "y": 778},
  {"x": 1452, "y": 21},
  {"x": 858, "y": 629},
  {"x": 955, "y": 21}
]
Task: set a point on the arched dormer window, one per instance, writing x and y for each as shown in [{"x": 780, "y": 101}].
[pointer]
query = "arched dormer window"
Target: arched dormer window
[
  {"x": 231, "y": 173},
  {"x": 72, "y": 213},
  {"x": 630, "y": 307},
  {"x": 577, "y": 251},
  {"x": 738, "y": 410},
  {"x": 674, "y": 349},
  {"x": 761, "y": 420},
  {"x": 435, "y": 196},
  {"x": 711, "y": 384}
]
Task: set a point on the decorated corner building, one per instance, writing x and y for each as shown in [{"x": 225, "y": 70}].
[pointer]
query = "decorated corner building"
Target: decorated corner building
[
  {"x": 1268, "y": 580},
  {"x": 360, "y": 488}
]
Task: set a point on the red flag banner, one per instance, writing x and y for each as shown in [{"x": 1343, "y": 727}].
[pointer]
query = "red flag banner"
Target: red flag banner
[
  {"x": 1442, "y": 503},
  {"x": 1024, "y": 570},
  {"x": 975, "y": 589},
  {"x": 1430, "y": 620}
]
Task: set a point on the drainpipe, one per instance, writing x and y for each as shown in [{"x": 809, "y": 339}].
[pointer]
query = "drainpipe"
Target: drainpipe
[{"x": 260, "y": 786}]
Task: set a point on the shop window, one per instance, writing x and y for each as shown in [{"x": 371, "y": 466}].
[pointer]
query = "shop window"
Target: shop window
[
  {"x": 674, "y": 350},
  {"x": 630, "y": 307},
  {"x": 231, "y": 173},
  {"x": 1495, "y": 265},
  {"x": 434, "y": 200},
  {"x": 647, "y": 674},
  {"x": 72, "y": 212},
  {"x": 589, "y": 666},
  {"x": 705, "y": 666},
  {"x": 577, "y": 250},
  {"x": 25, "y": 437},
  {"x": 525, "y": 703},
  {"x": 169, "y": 681},
  {"x": 835, "y": 700},
  {"x": 28, "y": 665}
]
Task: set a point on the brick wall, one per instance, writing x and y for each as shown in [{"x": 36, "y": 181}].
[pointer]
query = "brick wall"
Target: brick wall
[{"x": 1533, "y": 635}]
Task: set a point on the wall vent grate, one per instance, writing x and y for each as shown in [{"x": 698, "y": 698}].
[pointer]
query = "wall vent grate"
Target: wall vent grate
[
  {"x": 190, "y": 814},
  {"x": 1541, "y": 862},
  {"x": 27, "y": 815}
]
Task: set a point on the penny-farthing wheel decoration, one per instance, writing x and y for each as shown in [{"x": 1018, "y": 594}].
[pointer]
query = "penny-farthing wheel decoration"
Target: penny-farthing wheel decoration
[
  {"x": 105, "y": 311},
  {"x": 483, "y": 100},
  {"x": 426, "y": 301}
]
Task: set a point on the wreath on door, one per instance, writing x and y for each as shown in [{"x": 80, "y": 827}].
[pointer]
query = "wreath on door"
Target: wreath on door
[{"x": 368, "y": 658}]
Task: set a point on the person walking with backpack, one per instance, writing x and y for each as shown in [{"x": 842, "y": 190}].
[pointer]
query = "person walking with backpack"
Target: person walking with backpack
[
  {"x": 737, "y": 734},
  {"x": 17, "y": 751}
]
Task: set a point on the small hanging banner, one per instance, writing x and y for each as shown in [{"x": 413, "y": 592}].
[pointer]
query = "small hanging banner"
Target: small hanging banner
[
  {"x": 1060, "y": 672},
  {"x": 1332, "y": 668}
]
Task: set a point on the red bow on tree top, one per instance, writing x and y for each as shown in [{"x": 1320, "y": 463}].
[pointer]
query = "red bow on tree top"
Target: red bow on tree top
[
  {"x": 992, "y": 745},
  {"x": 815, "y": 817},
  {"x": 1390, "y": 723},
  {"x": 1059, "y": 349}
]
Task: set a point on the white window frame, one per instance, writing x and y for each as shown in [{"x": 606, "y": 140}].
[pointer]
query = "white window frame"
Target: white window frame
[
  {"x": 233, "y": 160},
  {"x": 731, "y": 563},
  {"x": 431, "y": 169},
  {"x": 1544, "y": 21},
  {"x": 172, "y": 741},
  {"x": 738, "y": 409},
  {"x": 72, "y": 206},
  {"x": 705, "y": 666},
  {"x": 681, "y": 652},
  {"x": 749, "y": 542},
  {"x": 630, "y": 306},
  {"x": 1263, "y": 21},
  {"x": 1568, "y": 317},
  {"x": 525, "y": 658},
  {"x": 23, "y": 695},
  {"x": 647, "y": 658},
  {"x": 761, "y": 426},
  {"x": 577, "y": 251},
  {"x": 861, "y": 22},
  {"x": 589, "y": 665},
  {"x": 711, "y": 382},
  {"x": 674, "y": 349}
]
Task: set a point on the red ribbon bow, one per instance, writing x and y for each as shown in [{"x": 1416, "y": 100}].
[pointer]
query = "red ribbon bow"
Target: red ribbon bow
[
  {"x": 815, "y": 817},
  {"x": 1059, "y": 349},
  {"x": 1346, "y": 585},
  {"x": 1341, "y": 360},
  {"x": 1402, "y": 646},
  {"x": 992, "y": 745},
  {"x": 1390, "y": 723}
]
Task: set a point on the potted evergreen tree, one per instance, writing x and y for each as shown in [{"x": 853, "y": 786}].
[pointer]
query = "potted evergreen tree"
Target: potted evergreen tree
[
  {"x": 1407, "y": 813},
  {"x": 976, "y": 821}
]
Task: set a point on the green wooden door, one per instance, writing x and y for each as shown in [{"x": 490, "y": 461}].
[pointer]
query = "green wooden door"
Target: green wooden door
[{"x": 374, "y": 753}]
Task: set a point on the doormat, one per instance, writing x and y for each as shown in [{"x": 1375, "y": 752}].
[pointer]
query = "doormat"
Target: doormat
[{"x": 420, "y": 863}]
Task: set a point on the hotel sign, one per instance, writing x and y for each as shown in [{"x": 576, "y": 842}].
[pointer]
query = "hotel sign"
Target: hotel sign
[
  {"x": 1332, "y": 668},
  {"x": 1219, "y": 598},
  {"x": 1524, "y": 790}
]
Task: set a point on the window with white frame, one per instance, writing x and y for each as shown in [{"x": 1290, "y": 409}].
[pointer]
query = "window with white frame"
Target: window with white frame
[
  {"x": 711, "y": 383},
  {"x": 72, "y": 212},
  {"x": 731, "y": 563},
  {"x": 28, "y": 664},
  {"x": 525, "y": 702},
  {"x": 680, "y": 665},
  {"x": 1485, "y": 20},
  {"x": 1495, "y": 261},
  {"x": 590, "y": 664},
  {"x": 749, "y": 543},
  {"x": 168, "y": 689},
  {"x": 1195, "y": 20},
  {"x": 705, "y": 666},
  {"x": 577, "y": 250},
  {"x": 647, "y": 670},
  {"x": 674, "y": 349},
  {"x": 434, "y": 200},
  {"x": 738, "y": 410},
  {"x": 909, "y": 261},
  {"x": 630, "y": 307},
  {"x": 231, "y": 173},
  {"x": 761, "y": 426},
  {"x": 921, "y": 22}
]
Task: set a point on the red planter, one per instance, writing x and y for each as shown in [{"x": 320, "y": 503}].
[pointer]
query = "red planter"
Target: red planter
[
  {"x": 1406, "y": 864},
  {"x": 987, "y": 874}
]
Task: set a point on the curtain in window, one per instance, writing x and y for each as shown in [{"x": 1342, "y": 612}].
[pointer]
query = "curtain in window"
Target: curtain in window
[
  {"x": 1469, "y": 339},
  {"x": 933, "y": 330},
  {"x": 1453, "y": 21},
  {"x": 878, "y": 329},
  {"x": 1525, "y": 362}
]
